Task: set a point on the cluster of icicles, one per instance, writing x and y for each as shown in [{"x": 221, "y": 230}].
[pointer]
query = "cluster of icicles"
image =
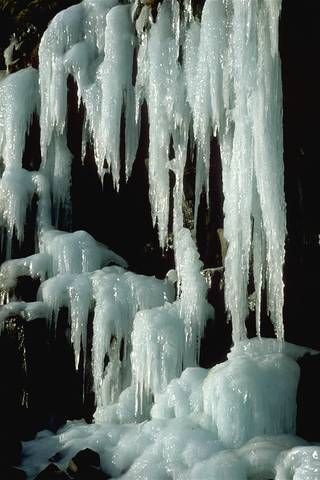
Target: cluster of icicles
[{"x": 219, "y": 77}]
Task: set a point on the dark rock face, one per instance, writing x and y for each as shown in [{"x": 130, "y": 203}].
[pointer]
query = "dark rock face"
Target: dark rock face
[
  {"x": 308, "y": 399},
  {"x": 39, "y": 386},
  {"x": 86, "y": 465},
  {"x": 298, "y": 44},
  {"x": 27, "y": 20},
  {"x": 10, "y": 450},
  {"x": 52, "y": 472},
  {"x": 86, "y": 457}
]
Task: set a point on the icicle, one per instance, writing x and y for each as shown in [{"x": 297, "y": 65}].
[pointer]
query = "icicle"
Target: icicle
[
  {"x": 157, "y": 350},
  {"x": 207, "y": 102},
  {"x": 110, "y": 327},
  {"x": 119, "y": 295},
  {"x": 64, "y": 31},
  {"x": 258, "y": 258},
  {"x": 16, "y": 191},
  {"x": 16, "y": 110},
  {"x": 268, "y": 144},
  {"x": 42, "y": 189},
  {"x": 57, "y": 168},
  {"x": 164, "y": 104},
  {"x": 238, "y": 69},
  {"x": 80, "y": 298},
  {"x": 54, "y": 292},
  {"x": 117, "y": 89},
  {"x": 192, "y": 289}
]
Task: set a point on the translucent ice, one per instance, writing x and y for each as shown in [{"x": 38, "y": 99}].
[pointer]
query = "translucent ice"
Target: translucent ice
[
  {"x": 76, "y": 252},
  {"x": 192, "y": 290},
  {"x": 299, "y": 463},
  {"x": 237, "y": 395},
  {"x": 157, "y": 349},
  {"x": 118, "y": 297},
  {"x": 16, "y": 111}
]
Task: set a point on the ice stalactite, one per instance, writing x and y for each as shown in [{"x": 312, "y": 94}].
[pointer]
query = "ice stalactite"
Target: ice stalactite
[
  {"x": 160, "y": 82},
  {"x": 193, "y": 308},
  {"x": 157, "y": 354},
  {"x": 166, "y": 339},
  {"x": 229, "y": 68},
  {"x": 221, "y": 77},
  {"x": 94, "y": 43},
  {"x": 17, "y": 186},
  {"x": 119, "y": 296},
  {"x": 113, "y": 295},
  {"x": 16, "y": 111},
  {"x": 238, "y": 98},
  {"x": 118, "y": 92}
]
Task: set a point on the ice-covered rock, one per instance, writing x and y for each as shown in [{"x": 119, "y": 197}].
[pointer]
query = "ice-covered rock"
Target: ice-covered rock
[{"x": 246, "y": 396}]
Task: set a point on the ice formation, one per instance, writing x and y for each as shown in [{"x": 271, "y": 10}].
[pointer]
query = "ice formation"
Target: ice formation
[
  {"x": 218, "y": 77},
  {"x": 185, "y": 441},
  {"x": 198, "y": 80}
]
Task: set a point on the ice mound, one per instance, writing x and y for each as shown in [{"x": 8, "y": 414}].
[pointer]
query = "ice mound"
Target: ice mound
[
  {"x": 300, "y": 463},
  {"x": 234, "y": 420},
  {"x": 246, "y": 396}
]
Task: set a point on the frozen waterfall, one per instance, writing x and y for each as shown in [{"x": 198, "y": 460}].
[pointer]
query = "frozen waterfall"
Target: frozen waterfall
[{"x": 218, "y": 76}]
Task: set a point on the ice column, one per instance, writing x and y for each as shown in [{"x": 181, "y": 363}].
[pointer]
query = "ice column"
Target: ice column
[{"x": 238, "y": 97}]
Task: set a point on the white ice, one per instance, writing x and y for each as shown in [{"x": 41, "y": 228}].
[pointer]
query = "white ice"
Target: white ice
[
  {"x": 214, "y": 88},
  {"x": 179, "y": 441},
  {"x": 16, "y": 111},
  {"x": 221, "y": 76},
  {"x": 76, "y": 252}
]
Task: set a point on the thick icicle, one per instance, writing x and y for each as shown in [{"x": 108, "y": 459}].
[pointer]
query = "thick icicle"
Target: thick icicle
[
  {"x": 192, "y": 290},
  {"x": 167, "y": 339},
  {"x": 16, "y": 192},
  {"x": 160, "y": 78},
  {"x": 80, "y": 303},
  {"x": 117, "y": 90},
  {"x": 119, "y": 295},
  {"x": 93, "y": 42},
  {"x": 64, "y": 31},
  {"x": 238, "y": 69},
  {"x": 16, "y": 111},
  {"x": 57, "y": 168},
  {"x": 157, "y": 350}
]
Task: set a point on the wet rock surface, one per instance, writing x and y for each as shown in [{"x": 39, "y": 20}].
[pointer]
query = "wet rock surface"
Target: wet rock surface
[
  {"x": 52, "y": 472},
  {"x": 86, "y": 464}
]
